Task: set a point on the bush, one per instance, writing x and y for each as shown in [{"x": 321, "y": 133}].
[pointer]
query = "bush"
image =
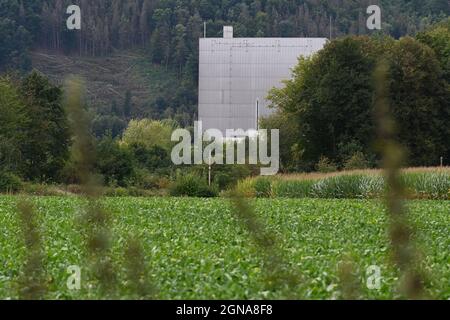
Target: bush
[
  {"x": 74, "y": 188},
  {"x": 263, "y": 187},
  {"x": 191, "y": 185},
  {"x": 427, "y": 185},
  {"x": 144, "y": 179},
  {"x": 338, "y": 187},
  {"x": 419, "y": 185},
  {"x": 325, "y": 165},
  {"x": 293, "y": 188},
  {"x": 227, "y": 176},
  {"x": 113, "y": 162},
  {"x": 10, "y": 183},
  {"x": 37, "y": 189},
  {"x": 246, "y": 188},
  {"x": 372, "y": 186},
  {"x": 152, "y": 158},
  {"x": 128, "y": 192},
  {"x": 223, "y": 180},
  {"x": 163, "y": 183},
  {"x": 116, "y": 192},
  {"x": 356, "y": 161}
]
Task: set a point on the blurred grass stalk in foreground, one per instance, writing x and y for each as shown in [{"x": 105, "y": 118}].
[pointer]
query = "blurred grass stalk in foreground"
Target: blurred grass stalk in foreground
[
  {"x": 31, "y": 284},
  {"x": 404, "y": 252},
  {"x": 137, "y": 275},
  {"x": 97, "y": 220}
]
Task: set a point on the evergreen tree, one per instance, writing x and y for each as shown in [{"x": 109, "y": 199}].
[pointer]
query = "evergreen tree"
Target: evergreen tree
[
  {"x": 419, "y": 101},
  {"x": 127, "y": 104},
  {"x": 13, "y": 120},
  {"x": 46, "y": 147}
]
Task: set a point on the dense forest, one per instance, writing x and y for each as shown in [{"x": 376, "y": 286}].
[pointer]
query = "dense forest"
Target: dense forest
[
  {"x": 169, "y": 29},
  {"x": 326, "y": 111},
  {"x": 168, "y": 32}
]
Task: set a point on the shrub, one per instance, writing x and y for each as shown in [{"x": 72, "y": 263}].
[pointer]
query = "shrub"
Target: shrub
[
  {"x": 263, "y": 187},
  {"x": 325, "y": 165},
  {"x": 136, "y": 192},
  {"x": 48, "y": 190},
  {"x": 246, "y": 188},
  {"x": 428, "y": 185},
  {"x": 338, "y": 187},
  {"x": 227, "y": 176},
  {"x": 223, "y": 180},
  {"x": 293, "y": 188},
  {"x": 356, "y": 161},
  {"x": 113, "y": 162},
  {"x": 163, "y": 183},
  {"x": 191, "y": 185},
  {"x": 116, "y": 192},
  {"x": 152, "y": 157},
  {"x": 10, "y": 183},
  {"x": 144, "y": 179},
  {"x": 419, "y": 185},
  {"x": 128, "y": 192}
]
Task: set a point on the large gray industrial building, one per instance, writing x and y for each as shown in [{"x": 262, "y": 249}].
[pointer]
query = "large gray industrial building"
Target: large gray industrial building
[{"x": 236, "y": 75}]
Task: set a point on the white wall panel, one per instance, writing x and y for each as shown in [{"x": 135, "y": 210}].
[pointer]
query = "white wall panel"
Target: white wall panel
[{"x": 235, "y": 73}]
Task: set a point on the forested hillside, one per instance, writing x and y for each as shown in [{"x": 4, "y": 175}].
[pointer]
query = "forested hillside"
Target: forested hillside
[
  {"x": 166, "y": 33},
  {"x": 139, "y": 62},
  {"x": 122, "y": 86},
  {"x": 170, "y": 28}
]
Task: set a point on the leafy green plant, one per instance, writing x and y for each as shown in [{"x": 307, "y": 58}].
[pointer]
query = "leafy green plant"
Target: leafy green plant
[
  {"x": 338, "y": 187},
  {"x": 40, "y": 189},
  {"x": 32, "y": 284},
  {"x": 356, "y": 161},
  {"x": 246, "y": 188},
  {"x": 194, "y": 249},
  {"x": 9, "y": 182},
  {"x": 278, "y": 276},
  {"x": 116, "y": 192},
  {"x": 433, "y": 185}
]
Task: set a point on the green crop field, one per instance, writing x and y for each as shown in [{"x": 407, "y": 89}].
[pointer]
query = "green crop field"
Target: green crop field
[{"x": 197, "y": 248}]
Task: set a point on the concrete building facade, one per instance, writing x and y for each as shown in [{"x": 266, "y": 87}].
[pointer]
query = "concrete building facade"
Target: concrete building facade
[{"x": 236, "y": 74}]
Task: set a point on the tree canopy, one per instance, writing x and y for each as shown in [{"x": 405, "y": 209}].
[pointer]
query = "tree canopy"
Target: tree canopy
[
  {"x": 149, "y": 133},
  {"x": 330, "y": 98}
]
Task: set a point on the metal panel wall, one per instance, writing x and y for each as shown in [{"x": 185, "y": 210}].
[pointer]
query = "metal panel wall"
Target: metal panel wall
[{"x": 236, "y": 74}]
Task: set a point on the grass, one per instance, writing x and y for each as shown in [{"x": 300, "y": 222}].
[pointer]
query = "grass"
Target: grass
[
  {"x": 420, "y": 183},
  {"x": 198, "y": 249},
  {"x": 319, "y": 175}
]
